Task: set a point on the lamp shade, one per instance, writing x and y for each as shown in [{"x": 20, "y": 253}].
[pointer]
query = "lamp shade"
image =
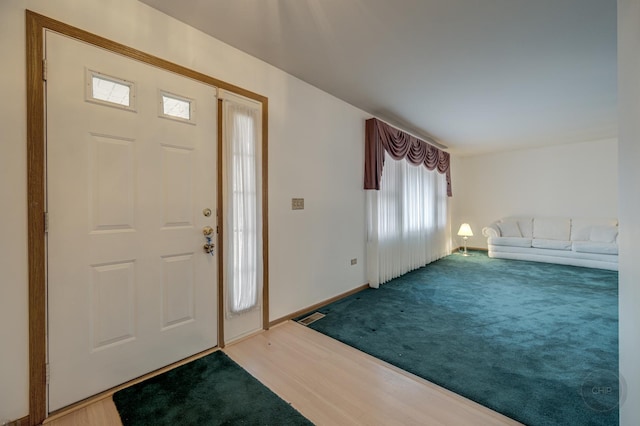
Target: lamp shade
[{"x": 465, "y": 230}]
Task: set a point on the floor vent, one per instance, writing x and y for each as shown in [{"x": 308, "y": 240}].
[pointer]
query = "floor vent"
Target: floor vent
[{"x": 311, "y": 318}]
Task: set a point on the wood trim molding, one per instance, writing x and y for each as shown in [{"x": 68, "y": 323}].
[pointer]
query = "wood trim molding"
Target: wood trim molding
[
  {"x": 35, "y": 217},
  {"x": 36, "y": 25},
  {"x": 318, "y": 305},
  {"x": 44, "y": 22},
  {"x": 461, "y": 248},
  {"x": 24, "y": 421},
  {"x": 265, "y": 214},
  {"x": 220, "y": 228}
]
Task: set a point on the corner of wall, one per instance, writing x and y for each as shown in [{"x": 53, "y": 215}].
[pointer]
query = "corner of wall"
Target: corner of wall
[{"x": 629, "y": 176}]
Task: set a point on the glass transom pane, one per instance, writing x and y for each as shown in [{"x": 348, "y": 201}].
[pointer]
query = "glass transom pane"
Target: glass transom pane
[
  {"x": 107, "y": 90},
  {"x": 174, "y": 107}
]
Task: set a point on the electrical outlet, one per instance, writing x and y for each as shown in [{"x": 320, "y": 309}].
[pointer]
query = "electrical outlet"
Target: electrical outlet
[
  {"x": 354, "y": 261},
  {"x": 297, "y": 204}
]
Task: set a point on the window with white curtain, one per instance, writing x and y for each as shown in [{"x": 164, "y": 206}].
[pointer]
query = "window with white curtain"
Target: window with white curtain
[
  {"x": 406, "y": 221},
  {"x": 241, "y": 190}
]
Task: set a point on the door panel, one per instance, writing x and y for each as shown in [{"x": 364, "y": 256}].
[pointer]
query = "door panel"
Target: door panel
[{"x": 130, "y": 288}]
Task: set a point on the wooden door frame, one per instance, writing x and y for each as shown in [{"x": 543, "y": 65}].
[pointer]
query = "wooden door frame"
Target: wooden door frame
[{"x": 36, "y": 25}]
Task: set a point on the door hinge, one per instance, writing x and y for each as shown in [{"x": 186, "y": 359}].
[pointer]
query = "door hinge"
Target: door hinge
[
  {"x": 46, "y": 222},
  {"x": 44, "y": 69}
]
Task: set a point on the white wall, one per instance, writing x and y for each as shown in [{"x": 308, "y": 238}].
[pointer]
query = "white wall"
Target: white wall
[
  {"x": 14, "y": 361},
  {"x": 321, "y": 159},
  {"x": 316, "y": 151},
  {"x": 629, "y": 133},
  {"x": 575, "y": 180}
]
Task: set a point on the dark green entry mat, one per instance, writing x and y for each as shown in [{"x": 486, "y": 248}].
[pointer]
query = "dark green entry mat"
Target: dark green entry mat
[{"x": 212, "y": 390}]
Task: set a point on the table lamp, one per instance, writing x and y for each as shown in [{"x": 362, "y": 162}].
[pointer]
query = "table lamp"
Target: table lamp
[{"x": 465, "y": 232}]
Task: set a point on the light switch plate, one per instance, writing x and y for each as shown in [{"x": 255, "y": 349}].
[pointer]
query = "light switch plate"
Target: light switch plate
[{"x": 297, "y": 204}]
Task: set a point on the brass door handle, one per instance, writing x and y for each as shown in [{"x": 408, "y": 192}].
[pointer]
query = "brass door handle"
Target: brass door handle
[{"x": 207, "y": 231}]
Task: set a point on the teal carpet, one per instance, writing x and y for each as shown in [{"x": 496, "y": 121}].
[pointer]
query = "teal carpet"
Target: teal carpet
[
  {"x": 212, "y": 390},
  {"x": 534, "y": 341}
]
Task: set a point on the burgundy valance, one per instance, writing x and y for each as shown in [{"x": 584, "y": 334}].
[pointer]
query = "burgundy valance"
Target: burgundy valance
[{"x": 381, "y": 137}]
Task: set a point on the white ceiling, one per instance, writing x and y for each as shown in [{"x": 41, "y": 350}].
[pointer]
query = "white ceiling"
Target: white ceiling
[{"x": 475, "y": 75}]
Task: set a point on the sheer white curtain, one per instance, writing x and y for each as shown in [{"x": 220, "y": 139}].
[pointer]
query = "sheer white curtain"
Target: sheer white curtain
[
  {"x": 242, "y": 200},
  {"x": 407, "y": 221}
]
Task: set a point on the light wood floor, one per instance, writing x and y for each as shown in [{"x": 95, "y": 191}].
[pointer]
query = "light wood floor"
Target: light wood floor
[
  {"x": 331, "y": 384},
  {"x": 99, "y": 413}
]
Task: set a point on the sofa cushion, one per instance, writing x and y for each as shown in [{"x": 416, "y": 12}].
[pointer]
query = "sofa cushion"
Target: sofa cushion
[
  {"x": 603, "y": 234},
  {"x": 524, "y": 223},
  {"x": 509, "y": 229},
  {"x": 510, "y": 241},
  {"x": 551, "y": 244},
  {"x": 552, "y": 228},
  {"x": 595, "y": 247},
  {"x": 581, "y": 227}
]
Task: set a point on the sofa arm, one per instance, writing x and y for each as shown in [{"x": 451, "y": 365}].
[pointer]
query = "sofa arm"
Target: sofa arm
[{"x": 491, "y": 230}]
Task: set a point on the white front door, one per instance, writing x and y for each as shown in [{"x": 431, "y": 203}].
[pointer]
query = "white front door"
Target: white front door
[{"x": 129, "y": 182}]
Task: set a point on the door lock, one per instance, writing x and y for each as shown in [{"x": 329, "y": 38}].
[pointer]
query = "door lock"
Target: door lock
[{"x": 207, "y": 231}]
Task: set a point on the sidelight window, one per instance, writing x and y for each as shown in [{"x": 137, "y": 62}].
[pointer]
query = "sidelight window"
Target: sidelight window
[{"x": 243, "y": 210}]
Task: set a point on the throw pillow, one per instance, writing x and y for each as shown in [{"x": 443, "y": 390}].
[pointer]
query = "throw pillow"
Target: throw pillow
[
  {"x": 509, "y": 229},
  {"x": 604, "y": 234}
]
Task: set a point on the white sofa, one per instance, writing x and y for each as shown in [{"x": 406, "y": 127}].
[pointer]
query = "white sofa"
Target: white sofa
[{"x": 591, "y": 243}]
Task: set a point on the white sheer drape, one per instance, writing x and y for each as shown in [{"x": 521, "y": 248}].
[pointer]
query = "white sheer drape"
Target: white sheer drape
[
  {"x": 242, "y": 215},
  {"x": 407, "y": 221}
]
